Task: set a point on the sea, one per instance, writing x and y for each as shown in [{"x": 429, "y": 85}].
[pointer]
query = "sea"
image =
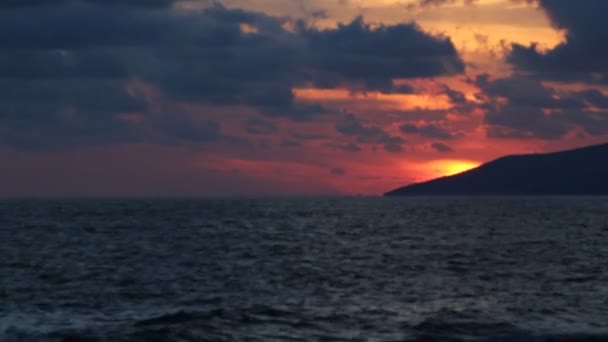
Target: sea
[{"x": 304, "y": 269}]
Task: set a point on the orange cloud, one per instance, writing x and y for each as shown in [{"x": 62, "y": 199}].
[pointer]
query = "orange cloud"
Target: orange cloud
[{"x": 394, "y": 101}]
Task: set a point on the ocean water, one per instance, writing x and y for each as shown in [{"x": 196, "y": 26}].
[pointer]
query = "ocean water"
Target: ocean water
[{"x": 352, "y": 269}]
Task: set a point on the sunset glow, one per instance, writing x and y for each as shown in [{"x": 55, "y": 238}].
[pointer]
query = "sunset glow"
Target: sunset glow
[
  {"x": 424, "y": 171},
  {"x": 451, "y": 167},
  {"x": 397, "y": 101},
  {"x": 290, "y": 97}
]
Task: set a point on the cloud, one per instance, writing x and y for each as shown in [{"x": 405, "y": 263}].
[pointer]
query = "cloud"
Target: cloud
[
  {"x": 442, "y": 148},
  {"x": 46, "y": 65},
  {"x": 338, "y": 171},
  {"x": 182, "y": 128},
  {"x": 290, "y": 143},
  {"x": 525, "y": 91},
  {"x": 307, "y": 136},
  {"x": 521, "y": 107},
  {"x": 131, "y": 3},
  {"x": 394, "y": 144},
  {"x": 436, "y": 3},
  {"x": 428, "y": 131},
  {"x": 512, "y": 121},
  {"x": 351, "y": 147},
  {"x": 456, "y": 97},
  {"x": 356, "y": 51},
  {"x": 261, "y": 127},
  {"x": 528, "y": 92},
  {"x": 50, "y": 128},
  {"x": 67, "y": 67},
  {"x": 582, "y": 57},
  {"x": 350, "y": 125},
  {"x": 532, "y": 109},
  {"x": 592, "y": 97},
  {"x": 386, "y": 86}
]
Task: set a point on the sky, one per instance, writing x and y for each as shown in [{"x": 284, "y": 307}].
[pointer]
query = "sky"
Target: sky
[{"x": 289, "y": 97}]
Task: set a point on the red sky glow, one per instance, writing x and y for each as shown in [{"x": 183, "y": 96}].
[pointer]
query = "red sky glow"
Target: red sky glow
[{"x": 268, "y": 97}]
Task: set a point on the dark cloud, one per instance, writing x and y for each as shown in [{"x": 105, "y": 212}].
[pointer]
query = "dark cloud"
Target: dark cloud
[
  {"x": 522, "y": 107},
  {"x": 527, "y": 92},
  {"x": 460, "y": 105},
  {"x": 428, "y": 131},
  {"x": 45, "y": 65},
  {"x": 54, "y": 114},
  {"x": 362, "y": 57},
  {"x": 352, "y": 147},
  {"x": 138, "y": 3},
  {"x": 338, "y": 171},
  {"x": 403, "y": 89},
  {"x": 307, "y": 136},
  {"x": 386, "y": 86},
  {"x": 591, "y": 122},
  {"x": 290, "y": 143},
  {"x": 181, "y": 128},
  {"x": 383, "y": 85},
  {"x": 131, "y": 3},
  {"x": 456, "y": 97},
  {"x": 442, "y": 148},
  {"x": 584, "y": 54},
  {"x": 357, "y": 51},
  {"x": 72, "y": 26},
  {"x": 436, "y": 3},
  {"x": 394, "y": 144},
  {"x": 80, "y": 96},
  {"x": 592, "y": 97},
  {"x": 66, "y": 67},
  {"x": 512, "y": 121},
  {"x": 261, "y": 127},
  {"x": 350, "y": 125},
  {"x": 25, "y": 126}
]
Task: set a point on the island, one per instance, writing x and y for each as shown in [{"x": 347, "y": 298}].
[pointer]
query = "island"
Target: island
[{"x": 582, "y": 171}]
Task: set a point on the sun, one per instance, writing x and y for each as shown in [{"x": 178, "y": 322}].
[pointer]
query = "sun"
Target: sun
[
  {"x": 427, "y": 170},
  {"x": 453, "y": 167}
]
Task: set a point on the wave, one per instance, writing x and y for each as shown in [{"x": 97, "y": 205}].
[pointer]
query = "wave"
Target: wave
[
  {"x": 166, "y": 335},
  {"x": 179, "y": 317},
  {"x": 267, "y": 323}
]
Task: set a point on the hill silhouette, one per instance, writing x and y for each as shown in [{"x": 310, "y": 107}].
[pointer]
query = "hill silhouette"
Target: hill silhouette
[{"x": 582, "y": 171}]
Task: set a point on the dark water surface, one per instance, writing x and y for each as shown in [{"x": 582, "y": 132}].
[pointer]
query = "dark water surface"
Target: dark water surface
[{"x": 363, "y": 269}]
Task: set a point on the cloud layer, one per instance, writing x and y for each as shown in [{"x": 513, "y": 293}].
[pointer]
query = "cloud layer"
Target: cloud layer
[
  {"x": 583, "y": 56},
  {"x": 84, "y": 72},
  {"x": 241, "y": 97}
]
